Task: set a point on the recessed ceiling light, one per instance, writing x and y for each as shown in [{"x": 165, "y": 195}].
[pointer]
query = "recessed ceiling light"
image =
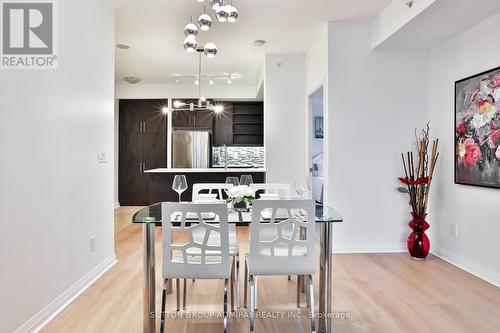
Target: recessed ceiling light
[
  {"x": 132, "y": 79},
  {"x": 122, "y": 46},
  {"x": 259, "y": 42}
]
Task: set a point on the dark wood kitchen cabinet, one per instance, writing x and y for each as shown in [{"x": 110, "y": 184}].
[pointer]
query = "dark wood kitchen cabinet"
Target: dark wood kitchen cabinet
[
  {"x": 142, "y": 146},
  {"x": 193, "y": 119}
]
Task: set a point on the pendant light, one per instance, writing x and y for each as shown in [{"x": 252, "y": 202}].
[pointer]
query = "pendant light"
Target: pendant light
[
  {"x": 190, "y": 44},
  {"x": 222, "y": 14},
  {"x": 191, "y": 30},
  {"x": 210, "y": 50},
  {"x": 233, "y": 13},
  {"x": 215, "y": 3},
  {"x": 205, "y": 22}
]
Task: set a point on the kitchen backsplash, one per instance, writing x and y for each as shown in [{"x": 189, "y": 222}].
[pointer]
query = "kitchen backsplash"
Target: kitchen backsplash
[{"x": 238, "y": 156}]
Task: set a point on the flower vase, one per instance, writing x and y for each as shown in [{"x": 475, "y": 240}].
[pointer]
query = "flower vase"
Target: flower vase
[
  {"x": 240, "y": 206},
  {"x": 418, "y": 242}
]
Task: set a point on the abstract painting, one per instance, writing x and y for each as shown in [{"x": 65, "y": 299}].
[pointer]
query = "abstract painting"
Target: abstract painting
[{"x": 477, "y": 130}]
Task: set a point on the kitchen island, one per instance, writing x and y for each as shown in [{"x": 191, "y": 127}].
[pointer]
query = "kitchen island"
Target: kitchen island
[{"x": 160, "y": 180}]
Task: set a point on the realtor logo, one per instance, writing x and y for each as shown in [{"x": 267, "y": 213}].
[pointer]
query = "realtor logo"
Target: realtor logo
[{"x": 28, "y": 35}]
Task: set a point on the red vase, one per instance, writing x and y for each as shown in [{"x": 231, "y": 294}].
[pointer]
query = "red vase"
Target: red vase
[{"x": 418, "y": 242}]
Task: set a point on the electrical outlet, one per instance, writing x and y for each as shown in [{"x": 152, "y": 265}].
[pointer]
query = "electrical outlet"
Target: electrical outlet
[
  {"x": 92, "y": 244},
  {"x": 453, "y": 230},
  {"x": 101, "y": 156}
]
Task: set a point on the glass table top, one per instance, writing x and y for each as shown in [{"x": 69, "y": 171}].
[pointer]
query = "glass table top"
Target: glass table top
[{"x": 153, "y": 214}]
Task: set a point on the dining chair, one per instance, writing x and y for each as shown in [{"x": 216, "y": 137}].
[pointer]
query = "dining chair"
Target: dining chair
[
  {"x": 283, "y": 191},
  {"x": 188, "y": 258},
  {"x": 287, "y": 253},
  {"x": 234, "y": 251}
]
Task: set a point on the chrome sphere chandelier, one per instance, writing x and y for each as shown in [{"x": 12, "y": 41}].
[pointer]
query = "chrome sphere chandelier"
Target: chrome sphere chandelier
[{"x": 223, "y": 12}]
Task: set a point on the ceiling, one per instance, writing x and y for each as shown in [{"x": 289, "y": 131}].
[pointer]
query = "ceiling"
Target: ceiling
[{"x": 154, "y": 33}]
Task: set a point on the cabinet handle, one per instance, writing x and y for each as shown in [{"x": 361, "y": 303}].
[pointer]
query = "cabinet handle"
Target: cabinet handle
[
  {"x": 140, "y": 167},
  {"x": 144, "y": 126},
  {"x": 143, "y": 167}
]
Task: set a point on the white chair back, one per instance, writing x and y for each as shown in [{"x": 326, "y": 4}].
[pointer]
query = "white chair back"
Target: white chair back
[
  {"x": 185, "y": 257},
  {"x": 283, "y": 191},
  {"x": 212, "y": 188},
  {"x": 288, "y": 251}
]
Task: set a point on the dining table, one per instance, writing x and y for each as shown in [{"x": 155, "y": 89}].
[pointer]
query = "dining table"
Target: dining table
[{"x": 151, "y": 217}]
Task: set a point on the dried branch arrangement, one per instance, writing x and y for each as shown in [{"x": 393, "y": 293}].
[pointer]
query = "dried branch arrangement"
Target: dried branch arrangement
[{"x": 419, "y": 171}]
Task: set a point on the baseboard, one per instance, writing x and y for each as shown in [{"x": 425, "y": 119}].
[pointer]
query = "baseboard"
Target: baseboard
[
  {"x": 369, "y": 247},
  {"x": 477, "y": 270},
  {"x": 117, "y": 204},
  {"x": 41, "y": 319}
]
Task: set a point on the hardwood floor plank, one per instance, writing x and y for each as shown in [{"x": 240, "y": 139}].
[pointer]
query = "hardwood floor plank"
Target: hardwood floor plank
[{"x": 380, "y": 293}]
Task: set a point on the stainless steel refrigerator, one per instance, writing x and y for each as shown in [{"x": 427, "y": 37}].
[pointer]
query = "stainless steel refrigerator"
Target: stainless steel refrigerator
[{"x": 190, "y": 149}]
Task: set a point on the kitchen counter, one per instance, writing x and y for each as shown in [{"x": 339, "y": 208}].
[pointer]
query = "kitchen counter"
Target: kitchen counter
[
  {"x": 160, "y": 180},
  {"x": 205, "y": 170}
]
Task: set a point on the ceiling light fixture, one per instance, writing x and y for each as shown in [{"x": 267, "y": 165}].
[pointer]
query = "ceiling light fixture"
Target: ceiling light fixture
[
  {"x": 190, "y": 44},
  {"x": 191, "y": 30},
  {"x": 132, "y": 79},
  {"x": 222, "y": 14},
  {"x": 233, "y": 12},
  {"x": 210, "y": 50},
  {"x": 218, "y": 108},
  {"x": 122, "y": 46},
  {"x": 164, "y": 110},
  {"x": 259, "y": 42},
  {"x": 178, "y": 104},
  {"x": 205, "y": 22},
  {"x": 215, "y": 3}
]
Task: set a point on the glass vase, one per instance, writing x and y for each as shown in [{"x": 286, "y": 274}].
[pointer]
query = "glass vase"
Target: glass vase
[
  {"x": 418, "y": 242},
  {"x": 240, "y": 206}
]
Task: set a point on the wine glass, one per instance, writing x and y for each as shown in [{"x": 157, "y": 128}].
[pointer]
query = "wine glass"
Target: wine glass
[
  {"x": 302, "y": 187},
  {"x": 179, "y": 185},
  {"x": 232, "y": 181},
  {"x": 246, "y": 180}
]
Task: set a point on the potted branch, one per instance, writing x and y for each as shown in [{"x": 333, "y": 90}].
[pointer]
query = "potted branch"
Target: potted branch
[{"x": 417, "y": 181}]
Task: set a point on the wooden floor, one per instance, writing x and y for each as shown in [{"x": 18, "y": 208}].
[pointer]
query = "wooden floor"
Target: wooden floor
[{"x": 373, "y": 292}]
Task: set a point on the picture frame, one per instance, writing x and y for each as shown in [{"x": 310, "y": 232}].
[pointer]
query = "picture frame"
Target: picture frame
[
  {"x": 477, "y": 130},
  {"x": 318, "y": 128}
]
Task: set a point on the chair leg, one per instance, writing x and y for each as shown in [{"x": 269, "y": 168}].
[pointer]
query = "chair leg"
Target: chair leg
[
  {"x": 184, "y": 295},
  {"x": 245, "y": 286},
  {"x": 289, "y": 277},
  {"x": 178, "y": 293},
  {"x": 310, "y": 289},
  {"x": 256, "y": 292},
  {"x": 163, "y": 302},
  {"x": 237, "y": 282},
  {"x": 298, "y": 291},
  {"x": 232, "y": 284},
  {"x": 252, "y": 302},
  {"x": 225, "y": 305}
]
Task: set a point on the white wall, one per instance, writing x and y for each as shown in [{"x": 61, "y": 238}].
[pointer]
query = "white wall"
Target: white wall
[
  {"x": 144, "y": 90},
  {"x": 474, "y": 210},
  {"x": 53, "y": 194},
  {"x": 317, "y": 76},
  {"x": 376, "y": 99},
  {"x": 284, "y": 117}
]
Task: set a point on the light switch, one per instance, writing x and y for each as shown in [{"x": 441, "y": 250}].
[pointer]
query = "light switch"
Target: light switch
[{"x": 101, "y": 156}]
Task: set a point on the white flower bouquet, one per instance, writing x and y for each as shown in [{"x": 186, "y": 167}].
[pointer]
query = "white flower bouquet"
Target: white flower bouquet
[{"x": 241, "y": 195}]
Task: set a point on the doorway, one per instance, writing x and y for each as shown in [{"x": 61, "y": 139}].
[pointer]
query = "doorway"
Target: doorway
[{"x": 317, "y": 144}]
